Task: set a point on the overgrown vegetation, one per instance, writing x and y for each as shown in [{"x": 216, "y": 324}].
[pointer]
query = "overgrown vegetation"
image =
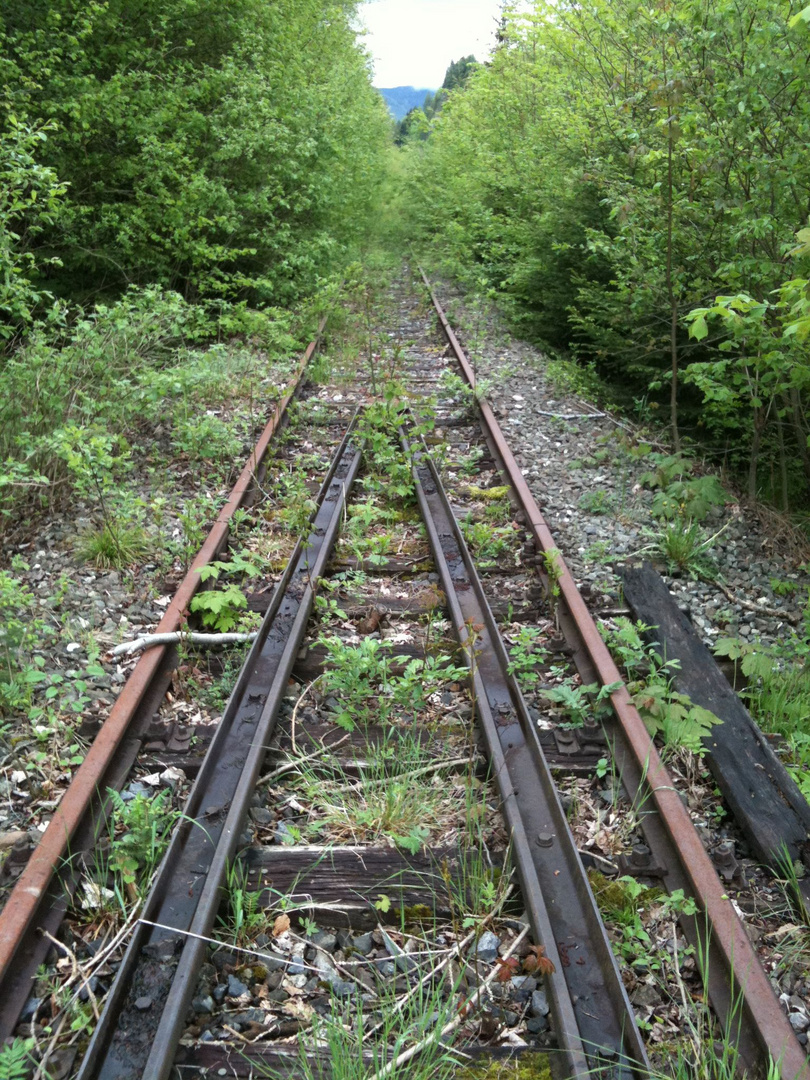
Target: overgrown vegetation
[{"x": 633, "y": 185}]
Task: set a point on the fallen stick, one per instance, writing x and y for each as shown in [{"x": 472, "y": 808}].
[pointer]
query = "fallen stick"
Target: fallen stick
[{"x": 149, "y": 641}]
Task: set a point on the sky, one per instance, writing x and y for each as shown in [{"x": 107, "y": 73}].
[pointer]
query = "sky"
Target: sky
[{"x": 413, "y": 41}]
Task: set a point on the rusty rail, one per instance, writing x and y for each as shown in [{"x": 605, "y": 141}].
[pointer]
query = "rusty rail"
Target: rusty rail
[
  {"x": 168, "y": 946},
  {"x": 755, "y": 1017},
  {"x": 21, "y": 948},
  {"x": 594, "y": 1021}
]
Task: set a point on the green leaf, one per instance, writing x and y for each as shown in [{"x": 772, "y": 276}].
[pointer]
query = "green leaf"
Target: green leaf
[
  {"x": 699, "y": 328},
  {"x": 730, "y": 647}
]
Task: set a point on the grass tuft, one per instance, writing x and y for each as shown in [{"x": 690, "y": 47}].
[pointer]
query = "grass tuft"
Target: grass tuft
[{"x": 113, "y": 546}]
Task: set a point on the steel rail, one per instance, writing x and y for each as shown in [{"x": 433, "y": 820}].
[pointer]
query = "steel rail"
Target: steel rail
[
  {"x": 593, "y": 1019},
  {"x": 22, "y": 945},
  {"x": 145, "y": 1011},
  {"x": 755, "y": 1013}
]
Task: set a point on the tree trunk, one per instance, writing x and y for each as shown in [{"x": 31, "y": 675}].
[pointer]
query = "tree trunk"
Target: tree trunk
[{"x": 759, "y": 423}]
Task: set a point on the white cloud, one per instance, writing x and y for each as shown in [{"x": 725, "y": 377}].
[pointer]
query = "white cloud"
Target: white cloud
[{"x": 413, "y": 41}]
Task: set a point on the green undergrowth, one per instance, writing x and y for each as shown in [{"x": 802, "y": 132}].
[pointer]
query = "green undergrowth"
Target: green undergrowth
[
  {"x": 651, "y": 681},
  {"x": 79, "y": 406}
]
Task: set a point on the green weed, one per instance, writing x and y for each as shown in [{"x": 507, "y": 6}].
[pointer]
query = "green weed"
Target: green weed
[
  {"x": 684, "y": 547},
  {"x": 526, "y": 655},
  {"x": 114, "y": 545}
]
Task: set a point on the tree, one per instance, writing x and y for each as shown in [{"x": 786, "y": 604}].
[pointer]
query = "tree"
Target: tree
[
  {"x": 220, "y": 149},
  {"x": 624, "y": 165}
]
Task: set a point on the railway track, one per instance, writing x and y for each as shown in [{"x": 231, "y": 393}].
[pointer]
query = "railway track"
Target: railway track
[{"x": 382, "y": 838}]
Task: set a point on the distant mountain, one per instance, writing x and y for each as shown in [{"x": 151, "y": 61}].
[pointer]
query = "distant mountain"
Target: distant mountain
[{"x": 401, "y": 99}]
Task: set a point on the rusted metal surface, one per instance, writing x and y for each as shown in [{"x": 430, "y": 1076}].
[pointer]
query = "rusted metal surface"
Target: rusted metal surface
[
  {"x": 145, "y": 1011},
  {"x": 26, "y": 907},
  {"x": 593, "y": 1019},
  {"x": 755, "y": 1010}
]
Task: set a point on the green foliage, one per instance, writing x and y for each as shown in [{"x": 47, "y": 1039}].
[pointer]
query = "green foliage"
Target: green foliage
[
  {"x": 141, "y": 829},
  {"x": 596, "y": 502},
  {"x": 357, "y": 675},
  {"x": 664, "y": 710},
  {"x": 204, "y": 146},
  {"x": 684, "y": 548},
  {"x": 487, "y": 542},
  {"x": 29, "y": 198},
  {"x": 16, "y": 1059},
  {"x": 19, "y": 631},
  {"x": 679, "y": 494},
  {"x": 579, "y": 703},
  {"x": 360, "y": 677},
  {"x": 625, "y": 166},
  {"x": 220, "y": 609},
  {"x": 526, "y": 655},
  {"x": 755, "y": 662},
  {"x": 114, "y": 544},
  {"x": 627, "y": 904}
]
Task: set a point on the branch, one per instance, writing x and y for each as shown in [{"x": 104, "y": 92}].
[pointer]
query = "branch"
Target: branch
[{"x": 149, "y": 641}]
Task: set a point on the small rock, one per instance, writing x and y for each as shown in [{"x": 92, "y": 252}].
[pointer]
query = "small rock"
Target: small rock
[
  {"x": 88, "y": 988},
  {"x": 799, "y": 1021},
  {"x": 203, "y": 1004},
  {"x": 345, "y": 940},
  {"x": 60, "y": 1063},
  {"x": 29, "y": 1009},
  {"x": 386, "y": 967},
  {"x": 283, "y": 835},
  {"x": 364, "y": 944},
  {"x": 261, "y": 815},
  {"x": 218, "y": 993},
  {"x": 143, "y": 1003},
  {"x": 297, "y": 963},
  {"x": 236, "y": 987},
  {"x": 539, "y": 1004},
  {"x": 536, "y": 1024},
  {"x": 250, "y": 1016},
  {"x": 488, "y": 946},
  {"x": 645, "y": 995},
  {"x": 324, "y": 940}
]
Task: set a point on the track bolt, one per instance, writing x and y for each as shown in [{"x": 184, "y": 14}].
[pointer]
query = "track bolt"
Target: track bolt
[
  {"x": 640, "y": 855},
  {"x": 724, "y": 853},
  {"x": 545, "y": 839},
  {"x": 723, "y": 858},
  {"x": 565, "y": 736}
]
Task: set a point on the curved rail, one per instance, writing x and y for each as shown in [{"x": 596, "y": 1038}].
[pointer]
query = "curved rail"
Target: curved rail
[
  {"x": 753, "y": 1016},
  {"x": 22, "y": 948}
]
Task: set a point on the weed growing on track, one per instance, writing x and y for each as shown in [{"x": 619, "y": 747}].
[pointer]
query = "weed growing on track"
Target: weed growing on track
[
  {"x": 526, "y": 656},
  {"x": 114, "y": 545},
  {"x": 16, "y": 1059},
  {"x": 398, "y": 796},
  {"x": 664, "y": 710},
  {"x": 340, "y": 1045}
]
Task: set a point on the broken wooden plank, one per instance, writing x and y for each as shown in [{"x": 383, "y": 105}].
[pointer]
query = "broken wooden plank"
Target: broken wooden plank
[{"x": 766, "y": 803}]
